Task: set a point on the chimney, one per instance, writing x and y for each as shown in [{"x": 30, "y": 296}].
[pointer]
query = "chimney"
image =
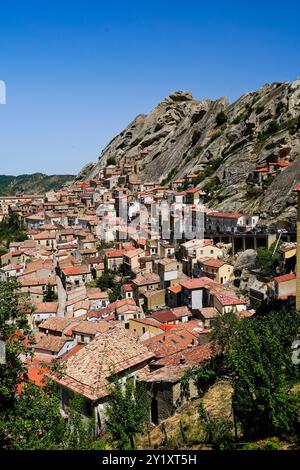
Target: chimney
[{"x": 182, "y": 360}]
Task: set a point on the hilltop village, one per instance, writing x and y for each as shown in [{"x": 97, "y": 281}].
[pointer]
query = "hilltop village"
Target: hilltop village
[{"x": 113, "y": 294}]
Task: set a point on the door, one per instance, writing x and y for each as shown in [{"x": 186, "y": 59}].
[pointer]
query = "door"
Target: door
[{"x": 154, "y": 411}]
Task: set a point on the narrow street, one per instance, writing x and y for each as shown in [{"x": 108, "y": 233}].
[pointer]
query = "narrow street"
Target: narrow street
[{"x": 61, "y": 298}]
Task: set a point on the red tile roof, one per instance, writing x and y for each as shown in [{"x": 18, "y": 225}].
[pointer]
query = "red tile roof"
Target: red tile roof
[
  {"x": 87, "y": 372},
  {"x": 212, "y": 262},
  {"x": 175, "y": 289},
  {"x": 285, "y": 277},
  {"x": 198, "y": 283},
  {"x": 165, "y": 316},
  {"x": 75, "y": 270},
  {"x": 227, "y": 299},
  {"x": 225, "y": 215},
  {"x": 114, "y": 254}
]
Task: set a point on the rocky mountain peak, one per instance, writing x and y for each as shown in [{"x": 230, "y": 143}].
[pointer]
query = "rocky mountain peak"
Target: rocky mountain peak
[{"x": 223, "y": 143}]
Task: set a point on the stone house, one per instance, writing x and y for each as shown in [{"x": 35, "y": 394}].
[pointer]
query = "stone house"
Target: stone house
[
  {"x": 54, "y": 346},
  {"x": 43, "y": 311},
  {"x": 85, "y": 331},
  {"x": 89, "y": 371},
  {"x": 113, "y": 259},
  {"x": 225, "y": 302},
  {"x": 216, "y": 269},
  {"x": 285, "y": 286},
  {"x": 168, "y": 270},
  {"x": 194, "y": 294},
  {"x": 76, "y": 275}
]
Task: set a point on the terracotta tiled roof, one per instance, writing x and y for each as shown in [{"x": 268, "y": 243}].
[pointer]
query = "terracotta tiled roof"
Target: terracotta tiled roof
[
  {"x": 134, "y": 252},
  {"x": 212, "y": 262},
  {"x": 91, "y": 328},
  {"x": 40, "y": 281},
  {"x": 51, "y": 343},
  {"x": 58, "y": 324},
  {"x": 75, "y": 270},
  {"x": 181, "y": 312},
  {"x": 209, "y": 312},
  {"x": 114, "y": 254},
  {"x": 165, "y": 316},
  {"x": 225, "y": 215},
  {"x": 45, "y": 236},
  {"x": 175, "y": 289},
  {"x": 127, "y": 288},
  {"x": 46, "y": 307},
  {"x": 147, "y": 278},
  {"x": 198, "y": 283},
  {"x": 87, "y": 371},
  {"x": 284, "y": 278},
  {"x": 227, "y": 299},
  {"x": 191, "y": 356},
  {"x": 97, "y": 295}
]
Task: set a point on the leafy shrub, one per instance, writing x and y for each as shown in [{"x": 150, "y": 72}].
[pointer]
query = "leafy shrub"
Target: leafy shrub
[
  {"x": 221, "y": 118},
  {"x": 215, "y": 135},
  {"x": 158, "y": 127},
  {"x": 195, "y": 137},
  {"x": 111, "y": 161},
  {"x": 273, "y": 127}
]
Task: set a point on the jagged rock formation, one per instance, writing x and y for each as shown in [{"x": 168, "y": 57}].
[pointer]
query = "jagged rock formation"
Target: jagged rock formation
[{"x": 225, "y": 142}]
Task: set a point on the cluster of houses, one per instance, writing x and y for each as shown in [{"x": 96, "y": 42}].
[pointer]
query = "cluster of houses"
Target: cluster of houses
[{"x": 170, "y": 290}]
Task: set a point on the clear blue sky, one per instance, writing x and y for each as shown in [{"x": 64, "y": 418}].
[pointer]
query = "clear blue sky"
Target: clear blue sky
[{"x": 78, "y": 71}]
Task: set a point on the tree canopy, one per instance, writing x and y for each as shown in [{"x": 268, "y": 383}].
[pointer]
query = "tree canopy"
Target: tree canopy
[
  {"x": 258, "y": 355},
  {"x": 127, "y": 413}
]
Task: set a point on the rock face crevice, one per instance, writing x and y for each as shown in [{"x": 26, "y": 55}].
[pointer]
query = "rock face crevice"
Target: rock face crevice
[{"x": 183, "y": 135}]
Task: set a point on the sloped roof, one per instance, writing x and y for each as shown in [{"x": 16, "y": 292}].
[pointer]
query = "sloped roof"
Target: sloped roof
[{"x": 87, "y": 372}]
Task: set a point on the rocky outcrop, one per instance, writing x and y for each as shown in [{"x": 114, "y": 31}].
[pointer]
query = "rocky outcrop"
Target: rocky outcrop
[
  {"x": 245, "y": 260},
  {"x": 224, "y": 142}
]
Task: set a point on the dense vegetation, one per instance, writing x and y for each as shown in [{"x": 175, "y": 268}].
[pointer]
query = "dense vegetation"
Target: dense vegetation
[
  {"x": 30, "y": 184},
  {"x": 128, "y": 412},
  {"x": 11, "y": 229},
  {"x": 29, "y": 415},
  {"x": 256, "y": 356}
]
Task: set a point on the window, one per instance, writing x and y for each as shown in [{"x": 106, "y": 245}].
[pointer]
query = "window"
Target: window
[{"x": 211, "y": 252}]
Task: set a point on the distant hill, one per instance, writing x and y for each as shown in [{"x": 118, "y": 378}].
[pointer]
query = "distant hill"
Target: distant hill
[{"x": 30, "y": 184}]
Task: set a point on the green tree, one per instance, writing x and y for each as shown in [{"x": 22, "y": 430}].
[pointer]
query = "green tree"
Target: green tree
[
  {"x": 111, "y": 161},
  {"x": 49, "y": 294},
  {"x": 267, "y": 259},
  {"x": 221, "y": 118},
  {"x": 128, "y": 412},
  {"x": 225, "y": 329},
  {"x": 106, "y": 281},
  {"x": 263, "y": 373},
  {"x": 29, "y": 415},
  {"x": 16, "y": 335},
  {"x": 12, "y": 229}
]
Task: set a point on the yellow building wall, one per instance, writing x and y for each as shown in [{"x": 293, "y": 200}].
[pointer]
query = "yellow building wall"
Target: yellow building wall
[{"x": 138, "y": 327}]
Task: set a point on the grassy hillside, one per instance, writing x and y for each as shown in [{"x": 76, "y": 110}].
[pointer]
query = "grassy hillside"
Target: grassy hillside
[{"x": 29, "y": 184}]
